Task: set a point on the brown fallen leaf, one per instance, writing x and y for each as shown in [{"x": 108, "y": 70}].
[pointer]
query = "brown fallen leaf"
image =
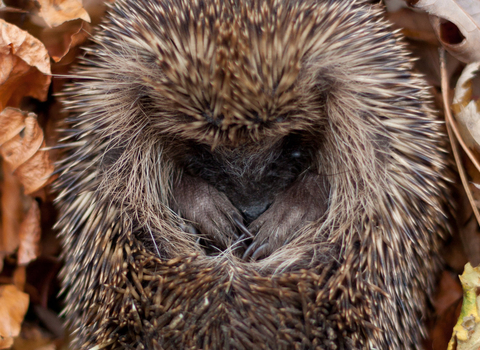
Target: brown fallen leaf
[
  {"x": 25, "y": 144},
  {"x": 13, "y": 306},
  {"x": 442, "y": 331},
  {"x": 449, "y": 290},
  {"x": 21, "y": 147},
  {"x": 60, "y": 40},
  {"x": 24, "y": 66},
  {"x": 24, "y": 152},
  {"x": 447, "y": 303},
  {"x": 414, "y": 25},
  {"x": 11, "y": 210},
  {"x": 96, "y": 9},
  {"x": 11, "y": 123},
  {"x": 56, "y": 12},
  {"x": 29, "y": 236},
  {"x": 36, "y": 172}
]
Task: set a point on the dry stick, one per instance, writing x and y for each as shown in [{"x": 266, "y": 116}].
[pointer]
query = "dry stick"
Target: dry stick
[
  {"x": 455, "y": 136},
  {"x": 448, "y": 113}
]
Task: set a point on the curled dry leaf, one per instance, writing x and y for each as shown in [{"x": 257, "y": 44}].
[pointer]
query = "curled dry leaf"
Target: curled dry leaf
[
  {"x": 13, "y": 306},
  {"x": 24, "y": 145},
  {"x": 56, "y": 12},
  {"x": 466, "y": 333},
  {"x": 11, "y": 123},
  {"x": 456, "y": 24},
  {"x": 24, "y": 151},
  {"x": 24, "y": 66},
  {"x": 60, "y": 40},
  {"x": 36, "y": 172},
  {"x": 29, "y": 236}
]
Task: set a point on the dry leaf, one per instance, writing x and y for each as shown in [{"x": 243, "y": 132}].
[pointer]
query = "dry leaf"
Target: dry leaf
[
  {"x": 470, "y": 234},
  {"x": 60, "y": 40},
  {"x": 36, "y": 172},
  {"x": 24, "y": 66},
  {"x": 24, "y": 145},
  {"x": 414, "y": 25},
  {"x": 96, "y": 9},
  {"x": 456, "y": 24},
  {"x": 11, "y": 123},
  {"x": 447, "y": 293},
  {"x": 24, "y": 151},
  {"x": 444, "y": 323},
  {"x": 467, "y": 111},
  {"x": 11, "y": 210},
  {"x": 447, "y": 303},
  {"x": 13, "y": 306},
  {"x": 29, "y": 236},
  {"x": 56, "y": 12}
]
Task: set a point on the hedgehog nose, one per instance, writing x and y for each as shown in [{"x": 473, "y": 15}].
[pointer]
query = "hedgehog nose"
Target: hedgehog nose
[{"x": 251, "y": 212}]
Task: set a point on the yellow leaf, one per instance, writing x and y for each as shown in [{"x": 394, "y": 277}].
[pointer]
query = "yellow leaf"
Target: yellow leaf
[{"x": 466, "y": 333}]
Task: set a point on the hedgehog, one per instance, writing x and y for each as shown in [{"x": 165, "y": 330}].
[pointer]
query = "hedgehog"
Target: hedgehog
[{"x": 255, "y": 174}]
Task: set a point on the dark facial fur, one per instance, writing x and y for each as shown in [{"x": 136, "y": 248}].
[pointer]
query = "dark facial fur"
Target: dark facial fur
[
  {"x": 251, "y": 178},
  {"x": 239, "y": 184},
  {"x": 248, "y": 175}
]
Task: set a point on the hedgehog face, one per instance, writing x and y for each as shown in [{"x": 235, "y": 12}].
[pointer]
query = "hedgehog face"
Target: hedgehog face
[{"x": 222, "y": 76}]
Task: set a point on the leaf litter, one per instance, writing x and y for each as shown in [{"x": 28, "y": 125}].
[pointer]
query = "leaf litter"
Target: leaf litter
[{"x": 41, "y": 37}]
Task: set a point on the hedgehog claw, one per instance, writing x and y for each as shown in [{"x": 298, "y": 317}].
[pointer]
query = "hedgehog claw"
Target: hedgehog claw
[
  {"x": 253, "y": 252},
  {"x": 242, "y": 227},
  {"x": 249, "y": 251},
  {"x": 188, "y": 229},
  {"x": 260, "y": 251}
]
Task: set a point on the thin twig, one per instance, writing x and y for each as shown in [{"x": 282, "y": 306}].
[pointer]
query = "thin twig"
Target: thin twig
[{"x": 455, "y": 136}]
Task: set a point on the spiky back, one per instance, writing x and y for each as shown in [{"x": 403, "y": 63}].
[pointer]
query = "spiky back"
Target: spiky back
[{"x": 218, "y": 72}]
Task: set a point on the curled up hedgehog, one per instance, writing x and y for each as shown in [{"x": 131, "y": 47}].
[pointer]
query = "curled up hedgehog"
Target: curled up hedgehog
[{"x": 249, "y": 174}]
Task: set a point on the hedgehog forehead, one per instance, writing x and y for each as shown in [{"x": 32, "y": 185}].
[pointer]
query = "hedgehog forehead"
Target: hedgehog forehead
[{"x": 232, "y": 63}]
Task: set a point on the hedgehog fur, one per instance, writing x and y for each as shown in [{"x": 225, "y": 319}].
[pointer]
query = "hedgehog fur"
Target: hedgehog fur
[{"x": 256, "y": 174}]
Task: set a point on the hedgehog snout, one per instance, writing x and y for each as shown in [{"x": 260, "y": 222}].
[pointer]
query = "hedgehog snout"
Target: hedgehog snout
[{"x": 251, "y": 212}]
